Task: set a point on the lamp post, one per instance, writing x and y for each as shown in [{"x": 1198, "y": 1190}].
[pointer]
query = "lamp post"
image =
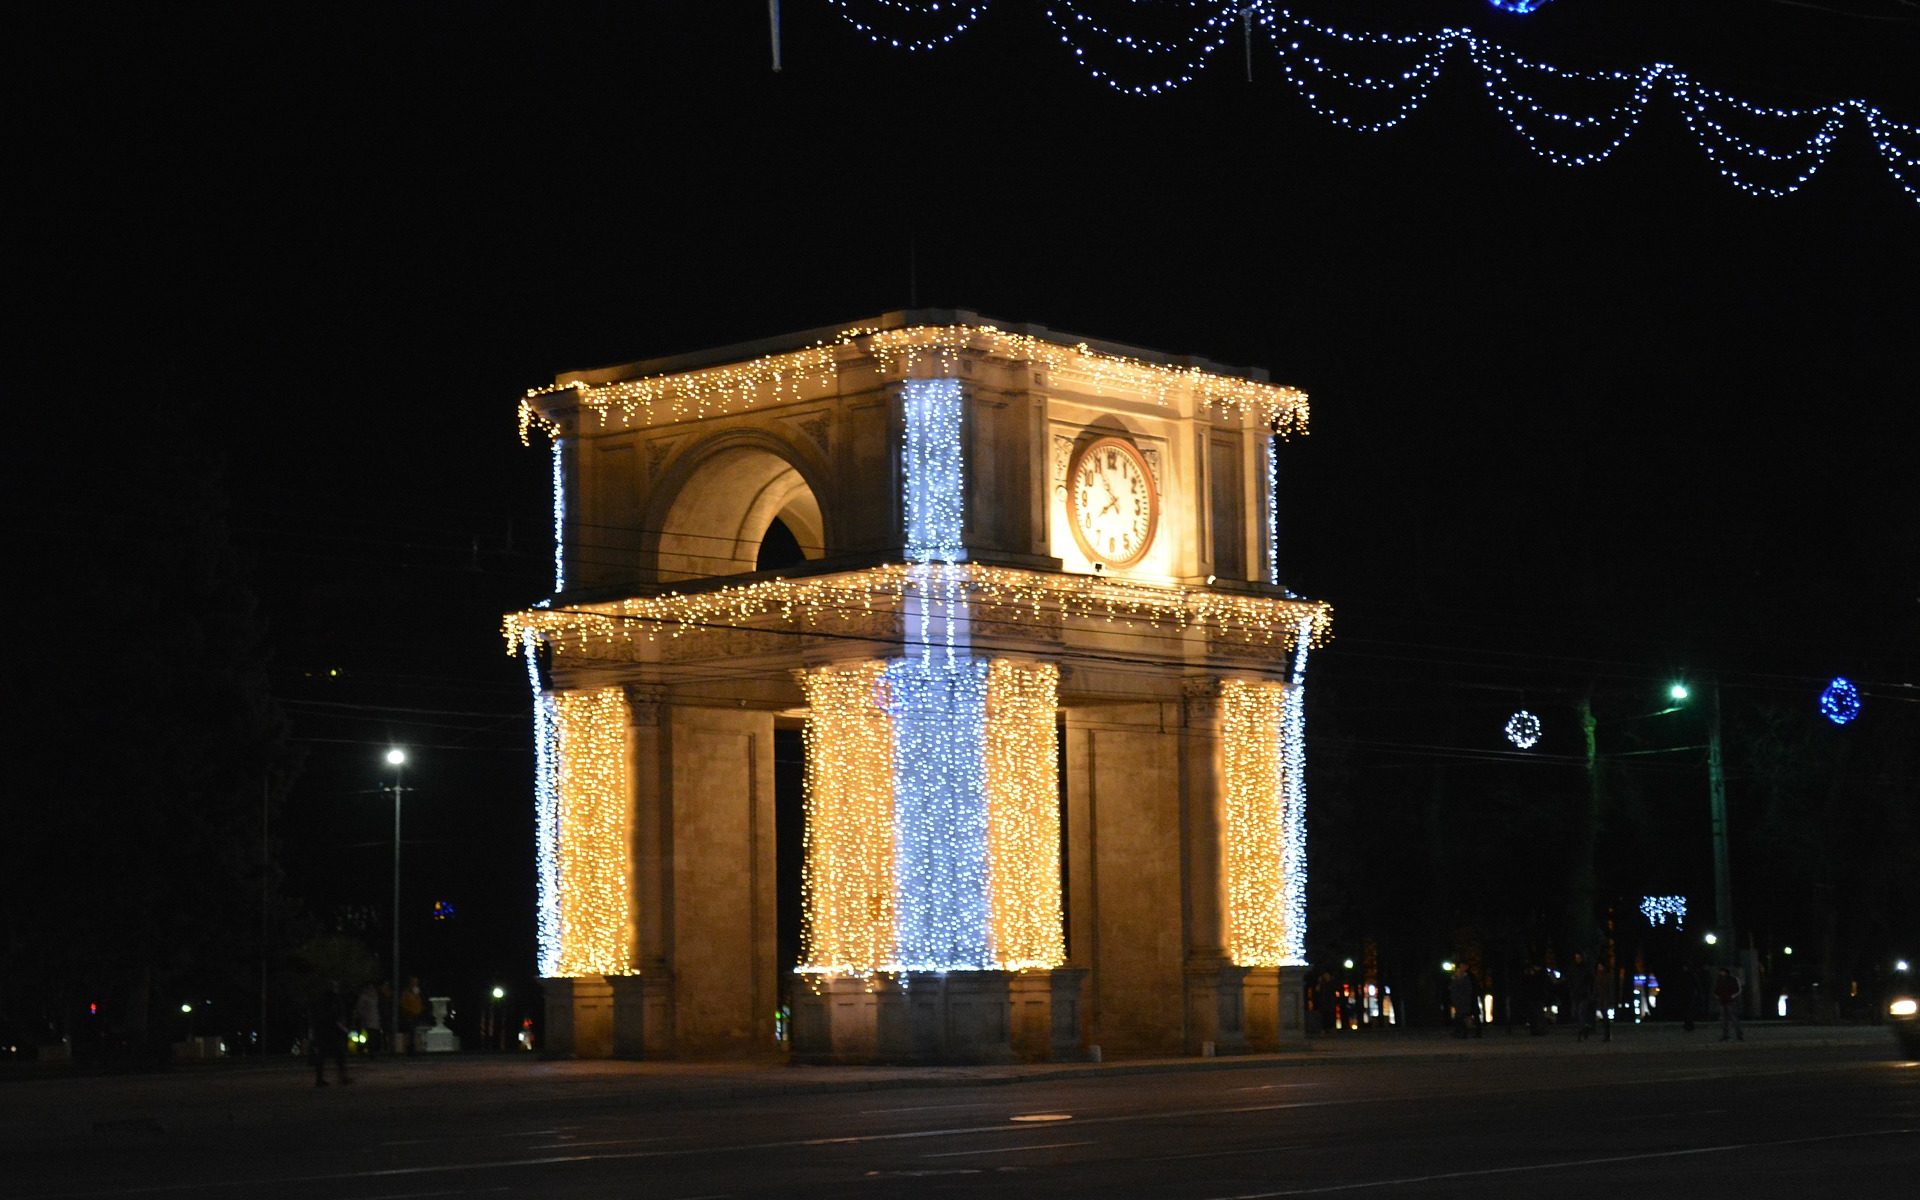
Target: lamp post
[{"x": 397, "y": 759}]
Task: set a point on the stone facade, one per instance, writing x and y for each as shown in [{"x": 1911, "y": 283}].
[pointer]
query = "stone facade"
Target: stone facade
[{"x": 672, "y": 472}]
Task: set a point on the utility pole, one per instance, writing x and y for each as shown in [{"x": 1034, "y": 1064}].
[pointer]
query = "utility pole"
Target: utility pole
[
  {"x": 1583, "y": 865},
  {"x": 1717, "y": 797},
  {"x": 266, "y": 892}
]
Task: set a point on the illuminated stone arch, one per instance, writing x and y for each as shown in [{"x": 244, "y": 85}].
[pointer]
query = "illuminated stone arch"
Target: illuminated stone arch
[{"x": 719, "y": 499}]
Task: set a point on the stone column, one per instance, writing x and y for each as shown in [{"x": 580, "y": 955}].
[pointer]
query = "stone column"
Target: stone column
[
  {"x": 643, "y": 1011},
  {"x": 1215, "y": 1008}
]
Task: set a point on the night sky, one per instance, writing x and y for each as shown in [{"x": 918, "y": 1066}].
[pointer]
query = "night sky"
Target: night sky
[{"x": 1573, "y": 429}]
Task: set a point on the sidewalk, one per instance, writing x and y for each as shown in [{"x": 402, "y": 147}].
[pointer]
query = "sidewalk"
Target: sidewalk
[{"x": 253, "y": 1092}]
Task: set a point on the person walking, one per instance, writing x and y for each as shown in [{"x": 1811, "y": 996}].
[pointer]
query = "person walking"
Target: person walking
[
  {"x": 1460, "y": 1000},
  {"x": 327, "y": 1036},
  {"x": 1726, "y": 991},
  {"x": 412, "y": 1007}
]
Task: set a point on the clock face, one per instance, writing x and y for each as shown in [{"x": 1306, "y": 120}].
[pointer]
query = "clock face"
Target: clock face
[{"x": 1111, "y": 502}]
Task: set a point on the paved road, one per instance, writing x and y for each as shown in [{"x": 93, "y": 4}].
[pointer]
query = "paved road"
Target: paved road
[{"x": 1788, "y": 1113}]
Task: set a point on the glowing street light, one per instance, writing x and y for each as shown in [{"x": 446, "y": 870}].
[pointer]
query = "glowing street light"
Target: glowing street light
[
  {"x": 1679, "y": 691},
  {"x": 397, "y": 759}
]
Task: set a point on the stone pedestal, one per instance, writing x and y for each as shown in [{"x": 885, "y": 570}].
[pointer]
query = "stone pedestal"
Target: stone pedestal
[
  {"x": 1261, "y": 992},
  {"x": 579, "y": 1017},
  {"x": 643, "y": 1015},
  {"x": 1216, "y": 1008},
  {"x": 1293, "y": 1008},
  {"x": 931, "y": 1017},
  {"x": 1069, "y": 1014}
]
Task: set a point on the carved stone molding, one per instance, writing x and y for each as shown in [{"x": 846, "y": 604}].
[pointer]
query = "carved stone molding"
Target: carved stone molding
[{"x": 643, "y": 703}]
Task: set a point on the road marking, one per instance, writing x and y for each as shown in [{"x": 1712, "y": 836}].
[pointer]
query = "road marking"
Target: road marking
[
  {"x": 1220, "y": 1153},
  {"x": 606, "y": 1142},
  {"x": 1042, "y": 1117},
  {"x": 467, "y": 1137},
  {"x": 868, "y": 1112},
  {"x": 1269, "y": 1087},
  {"x": 1564, "y": 1165},
  {"x": 416, "y": 1195},
  {"x": 1005, "y": 1150}
]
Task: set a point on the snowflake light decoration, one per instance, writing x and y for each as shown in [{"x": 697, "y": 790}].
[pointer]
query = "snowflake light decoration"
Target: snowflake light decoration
[
  {"x": 1523, "y": 729},
  {"x": 1840, "y": 703}
]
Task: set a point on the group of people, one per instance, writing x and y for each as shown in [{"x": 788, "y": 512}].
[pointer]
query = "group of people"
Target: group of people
[
  {"x": 335, "y": 1020},
  {"x": 1583, "y": 995}
]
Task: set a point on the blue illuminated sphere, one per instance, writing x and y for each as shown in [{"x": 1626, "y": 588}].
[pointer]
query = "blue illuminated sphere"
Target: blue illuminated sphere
[
  {"x": 1840, "y": 703},
  {"x": 1523, "y": 7}
]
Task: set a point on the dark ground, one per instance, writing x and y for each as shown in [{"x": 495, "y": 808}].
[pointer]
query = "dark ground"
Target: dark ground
[{"x": 1792, "y": 1111}]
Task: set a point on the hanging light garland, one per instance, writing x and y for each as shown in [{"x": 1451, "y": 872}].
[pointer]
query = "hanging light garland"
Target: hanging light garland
[
  {"x": 934, "y": 350},
  {"x": 1657, "y": 909},
  {"x": 1138, "y": 65},
  {"x": 844, "y": 603}
]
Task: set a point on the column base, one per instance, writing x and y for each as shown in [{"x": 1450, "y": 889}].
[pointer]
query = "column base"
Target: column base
[
  {"x": 1216, "y": 1009},
  {"x": 643, "y": 1015},
  {"x": 919, "y": 1017},
  {"x": 579, "y": 1017}
]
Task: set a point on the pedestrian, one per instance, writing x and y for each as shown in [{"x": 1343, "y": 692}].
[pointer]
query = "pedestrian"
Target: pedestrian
[
  {"x": 1460, "y": 999},
  {"x": 1726, "y": 990},
  {"x": 1687, "y": 995},
  {"x": 1533, "y": 1000},
  {"x": 1580, "y": 995},
  {"x": 1603, "y": 1000},
  {"x": 366, "y": 1018},
  {"x": 327, "y": 1033},
  {"x": 412, "y": 1007}
]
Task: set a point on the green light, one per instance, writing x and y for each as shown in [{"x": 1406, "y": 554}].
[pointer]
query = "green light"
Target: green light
[
  {"x": 1678, "y": 691},
  {"x": 1713, "y": 939},
  {"x": 1786, "y": 949},
  {"x": 499, "y": 993}
]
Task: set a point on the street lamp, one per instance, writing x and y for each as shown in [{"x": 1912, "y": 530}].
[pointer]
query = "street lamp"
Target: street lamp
[
  {"x": 499, "y": 1038},
  {"x": 397, "y": 759}
]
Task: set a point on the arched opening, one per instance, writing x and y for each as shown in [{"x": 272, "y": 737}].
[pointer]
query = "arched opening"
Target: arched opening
[{"x": 742, "y": 509}]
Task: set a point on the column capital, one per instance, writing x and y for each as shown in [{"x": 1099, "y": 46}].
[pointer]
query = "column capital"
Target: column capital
[
  {"x": 1200, "y": 696},
  {"x": 643, "y": 703}
]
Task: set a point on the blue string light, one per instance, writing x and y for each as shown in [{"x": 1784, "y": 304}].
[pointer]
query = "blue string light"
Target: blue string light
[
  {"x": 1728, "y": 129},
  {"x": 1840, "y": 703}
]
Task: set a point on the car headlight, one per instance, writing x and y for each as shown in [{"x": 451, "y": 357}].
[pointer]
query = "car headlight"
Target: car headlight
[{"x": 1903, "y": 1007}]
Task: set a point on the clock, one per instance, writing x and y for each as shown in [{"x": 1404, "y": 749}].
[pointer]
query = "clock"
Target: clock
[{"x": 1112, "y": 504}]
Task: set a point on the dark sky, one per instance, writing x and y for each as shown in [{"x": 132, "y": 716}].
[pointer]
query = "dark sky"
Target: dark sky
[{"x": 1616, "y": 421}]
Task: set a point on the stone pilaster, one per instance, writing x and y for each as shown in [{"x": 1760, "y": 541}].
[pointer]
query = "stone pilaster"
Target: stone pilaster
[
  {"x": 643, "y": 1014},
  {"x": 1216, "y": 1007}
]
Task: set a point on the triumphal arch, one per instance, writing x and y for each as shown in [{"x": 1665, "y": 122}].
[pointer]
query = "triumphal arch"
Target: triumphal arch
[{"x": 1004, "y": 601}]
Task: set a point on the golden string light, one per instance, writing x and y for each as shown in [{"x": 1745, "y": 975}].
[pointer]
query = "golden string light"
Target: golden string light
[
  {"x": 1255, "y": 851},
  {"x": 774, "y": 378},
  {"x": 844, "y": 601},
  {"x": 846, "y": 874},
  {"x": 596, "y": 919},
  {"x": 1023, "y": 815}
]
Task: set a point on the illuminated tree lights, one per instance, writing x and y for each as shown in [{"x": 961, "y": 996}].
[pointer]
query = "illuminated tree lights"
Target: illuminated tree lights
[
  {"x": 586, "y": 916},
  {"x": 1374, "y": 100},
  {"x": 1840, "y": 702},
  {"x": 1523, "y": 730}
]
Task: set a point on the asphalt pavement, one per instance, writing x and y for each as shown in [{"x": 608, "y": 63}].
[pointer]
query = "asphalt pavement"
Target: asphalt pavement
[{"x": 1333, "y": 1113}]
